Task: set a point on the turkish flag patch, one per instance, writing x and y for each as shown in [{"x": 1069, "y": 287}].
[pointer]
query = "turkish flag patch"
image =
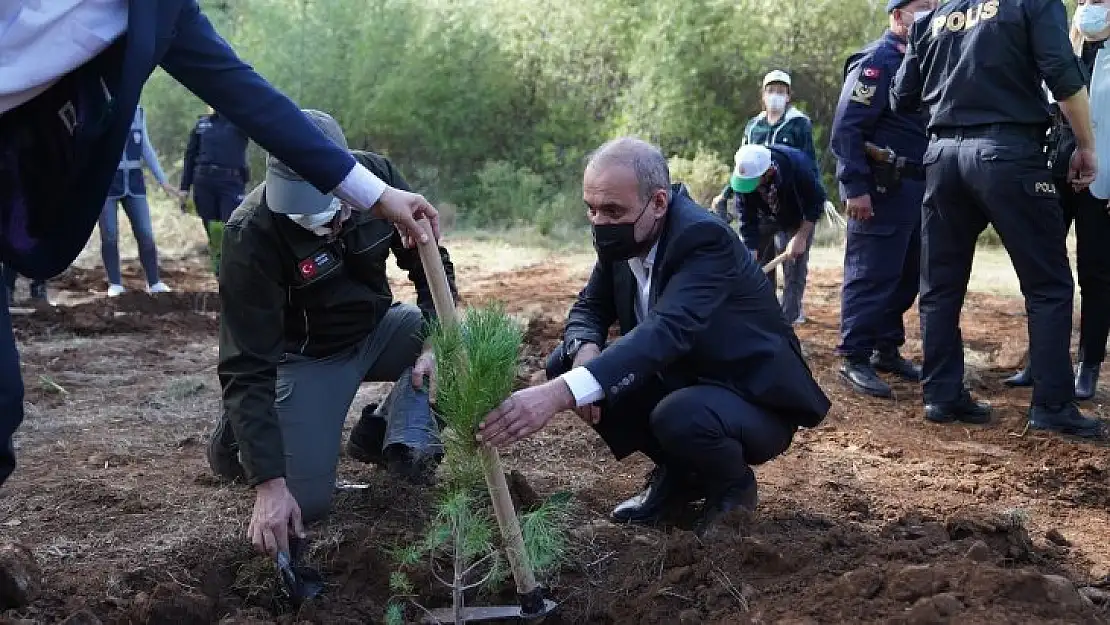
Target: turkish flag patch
[
  {"x": 870, "y": 72},
  {"x": 308, "y": 268}
]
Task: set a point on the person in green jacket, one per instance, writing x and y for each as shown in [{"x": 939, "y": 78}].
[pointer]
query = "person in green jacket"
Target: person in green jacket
[{"x": 780, "y": 123}]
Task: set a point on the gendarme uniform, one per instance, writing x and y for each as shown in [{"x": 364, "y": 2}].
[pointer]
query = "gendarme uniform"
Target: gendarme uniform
[
  {"x": 976, "y": 67},
  {"x": 881, "y": 256}
]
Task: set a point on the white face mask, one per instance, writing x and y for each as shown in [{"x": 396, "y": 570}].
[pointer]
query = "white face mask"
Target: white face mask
[
  {"x": 1092, "y": 19},
  {"x": 318, "y": 223},
  {"x": 775, "y": 102}
]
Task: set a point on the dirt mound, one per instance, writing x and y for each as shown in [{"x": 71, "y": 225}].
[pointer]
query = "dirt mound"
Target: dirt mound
[{"x": 131, "y": 312}]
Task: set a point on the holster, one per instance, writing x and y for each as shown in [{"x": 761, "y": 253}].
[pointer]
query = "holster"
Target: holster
[{"x": 886, "y": 176}]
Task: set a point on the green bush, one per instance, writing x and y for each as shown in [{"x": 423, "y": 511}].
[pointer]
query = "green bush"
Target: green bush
[{"x": 704, "y": 175}]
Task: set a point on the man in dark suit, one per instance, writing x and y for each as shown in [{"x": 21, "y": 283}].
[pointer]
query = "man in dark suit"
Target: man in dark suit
[
  {"x": 66, "y": 104},
  {"x": 707, "y": 378}
]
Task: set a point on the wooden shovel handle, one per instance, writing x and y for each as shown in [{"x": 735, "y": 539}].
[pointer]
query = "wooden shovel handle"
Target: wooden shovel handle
[
  {"x": 523, "y": 574},
  {"x": 775, "y": 262}
]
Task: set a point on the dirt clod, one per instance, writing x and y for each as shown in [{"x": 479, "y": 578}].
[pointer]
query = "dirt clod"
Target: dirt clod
[
  {"x": 916, "y": 581},
  {"x": 979, "y": 552},
  {"x": 84, "y": 617},
  {"x": 174, "y": 604},
  {"x": 20, "y": 576},
  {"x": 1055, "y": 537}
]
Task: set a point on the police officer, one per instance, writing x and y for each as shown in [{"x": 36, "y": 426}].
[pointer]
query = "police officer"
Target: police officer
[
  {"x": 216, "y": 168},
  {"x": 977, "y": 67},
  {"x": 881, "y": 257}
]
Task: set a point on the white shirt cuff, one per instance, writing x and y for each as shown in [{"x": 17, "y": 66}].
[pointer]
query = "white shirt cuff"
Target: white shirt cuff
[
  {"x": 583, "y": 385},
  {"x": 361, "y": 188}
]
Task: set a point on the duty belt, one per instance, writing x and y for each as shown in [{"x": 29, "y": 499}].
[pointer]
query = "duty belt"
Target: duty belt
[{"x": 1036, "y": 132}]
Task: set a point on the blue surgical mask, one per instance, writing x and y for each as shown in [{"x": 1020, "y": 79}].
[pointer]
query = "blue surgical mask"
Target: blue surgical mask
[{"x": 1091, "y": 19}]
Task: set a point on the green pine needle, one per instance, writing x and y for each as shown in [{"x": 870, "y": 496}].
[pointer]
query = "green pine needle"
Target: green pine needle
[
  {"x": 395, "y": 614},
  {"x": 476, "y": 367}
]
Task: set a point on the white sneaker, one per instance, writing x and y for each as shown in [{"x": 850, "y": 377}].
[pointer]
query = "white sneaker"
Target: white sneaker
[
  {"x": 115, "y": 290},
  {"x": 158, "y": 287}
]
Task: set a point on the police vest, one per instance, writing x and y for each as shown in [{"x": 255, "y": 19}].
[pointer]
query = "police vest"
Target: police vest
[{"x": 129, "y": 175}]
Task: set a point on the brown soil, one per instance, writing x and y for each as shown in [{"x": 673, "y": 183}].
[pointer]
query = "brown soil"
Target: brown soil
[{"x": 876, "y": 516}]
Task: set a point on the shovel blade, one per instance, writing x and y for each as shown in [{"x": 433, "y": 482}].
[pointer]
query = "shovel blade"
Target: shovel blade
[{"x": 488, "y": 613}]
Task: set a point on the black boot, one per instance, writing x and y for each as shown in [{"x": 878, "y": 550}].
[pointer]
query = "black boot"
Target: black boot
[
  {"x": 741, "y": 495},
  {"x": 1022, "y": 378},
  {"x": 1064, "y": 419},
  {"x": 367, "y": 437},
  {"x": 666, "y": 490},
  {"x": 223, "y": 453},
  {"x": 965, "y": 410},
  {"x": 1086, "y": 380},
  {"x": 862, "y": 377},
  {"x": 890, "y": 361}
]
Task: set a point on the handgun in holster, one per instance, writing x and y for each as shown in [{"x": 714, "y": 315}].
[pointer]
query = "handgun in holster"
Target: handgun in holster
[{"x": 886, "y": 168}]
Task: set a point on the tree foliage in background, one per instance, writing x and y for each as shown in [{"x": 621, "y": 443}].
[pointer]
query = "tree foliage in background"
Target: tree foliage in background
[{"x": 492, "y": 105}]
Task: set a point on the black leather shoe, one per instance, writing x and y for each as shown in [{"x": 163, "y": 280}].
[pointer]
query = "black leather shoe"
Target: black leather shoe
[
  {"x": 964, "y": 410},
  {"x": 1086, "y": 380},
  {"x": 1020, "y": 379},
  {"x": 1065, "y": 419},
  {"x": 863, "y": 378},
  {"x": 743, "y": 496},
  {"x": 367, "y": 437},
  {"x": 223, "y": 453},
  {"x": 890, "y": 361},
  {"x": 666, "y": 490}
]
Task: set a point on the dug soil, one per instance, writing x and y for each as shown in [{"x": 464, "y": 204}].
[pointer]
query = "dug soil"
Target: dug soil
[{"x": 874, "y": 517}]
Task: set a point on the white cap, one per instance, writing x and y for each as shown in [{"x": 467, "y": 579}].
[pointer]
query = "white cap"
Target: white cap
[
  {"x": 752, "y": 161},
  {"x": 776, "y": 76}
]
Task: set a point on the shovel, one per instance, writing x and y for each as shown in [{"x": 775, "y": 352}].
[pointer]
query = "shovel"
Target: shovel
[
  {"x": 532, "y": 605},
  {"x": 300, "y": 583},
  {"x": 775, "y": 262}
]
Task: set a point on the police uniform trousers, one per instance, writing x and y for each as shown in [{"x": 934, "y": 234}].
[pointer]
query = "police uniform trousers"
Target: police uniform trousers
[
  {"x": 702, "y": 429},
  {"x": 1092, "y": 238},
  {"x": 217, "y": 191},
  {"x": 993, "y": 174},
  {"x": 881, "y": 273}
]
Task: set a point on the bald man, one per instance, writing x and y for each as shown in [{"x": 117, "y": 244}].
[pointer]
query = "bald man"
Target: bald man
[{"x": 707, "y": 377}]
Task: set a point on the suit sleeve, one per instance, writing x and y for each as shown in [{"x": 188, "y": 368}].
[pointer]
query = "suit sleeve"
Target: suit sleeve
[
  {"x": 251, "y": 345},
  {"x": 206, "y": 65},
  {"x": 905, "y": 90},
  {"x": 863, "y": 99},
  {"x": 685, "y": 306},
  {"x": 190, "y": 160},
  {"x": 1048, "y": 33},
  {"x": 595, "y": 310}
]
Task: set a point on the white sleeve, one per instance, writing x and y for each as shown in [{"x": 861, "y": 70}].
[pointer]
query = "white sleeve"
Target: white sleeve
[
  {"x": 583, "y": 385},
  {"x": 361, "y": 188}
]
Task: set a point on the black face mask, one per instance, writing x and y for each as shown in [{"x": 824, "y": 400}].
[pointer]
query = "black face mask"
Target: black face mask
[{"x": 617, "y": 242}]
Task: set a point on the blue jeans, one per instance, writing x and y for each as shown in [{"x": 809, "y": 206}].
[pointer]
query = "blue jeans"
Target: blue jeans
[
  {"x": 138, "y": 213},
  {"x": 11, "y": 390}
]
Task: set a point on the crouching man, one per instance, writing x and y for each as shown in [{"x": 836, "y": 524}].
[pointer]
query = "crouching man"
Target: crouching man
[
  {"x": 306, "y": 316},
  {"x": 707, "y": 378}
]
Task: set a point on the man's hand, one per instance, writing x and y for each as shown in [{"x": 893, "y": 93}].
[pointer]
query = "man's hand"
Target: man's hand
[
  {"x": 171, "y": 190},
  {"x": 275, "y": 513},
  {"x": 524, "y": 413},
  {"x": 425, "y": 366},
  {"x": 860, "y": 207},
  {"x": 404, "y": 209},
  {"x": 589, "y": 413},
  {"x": 1083, "y": 167},
  {"x": 798, "y": 244}
]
